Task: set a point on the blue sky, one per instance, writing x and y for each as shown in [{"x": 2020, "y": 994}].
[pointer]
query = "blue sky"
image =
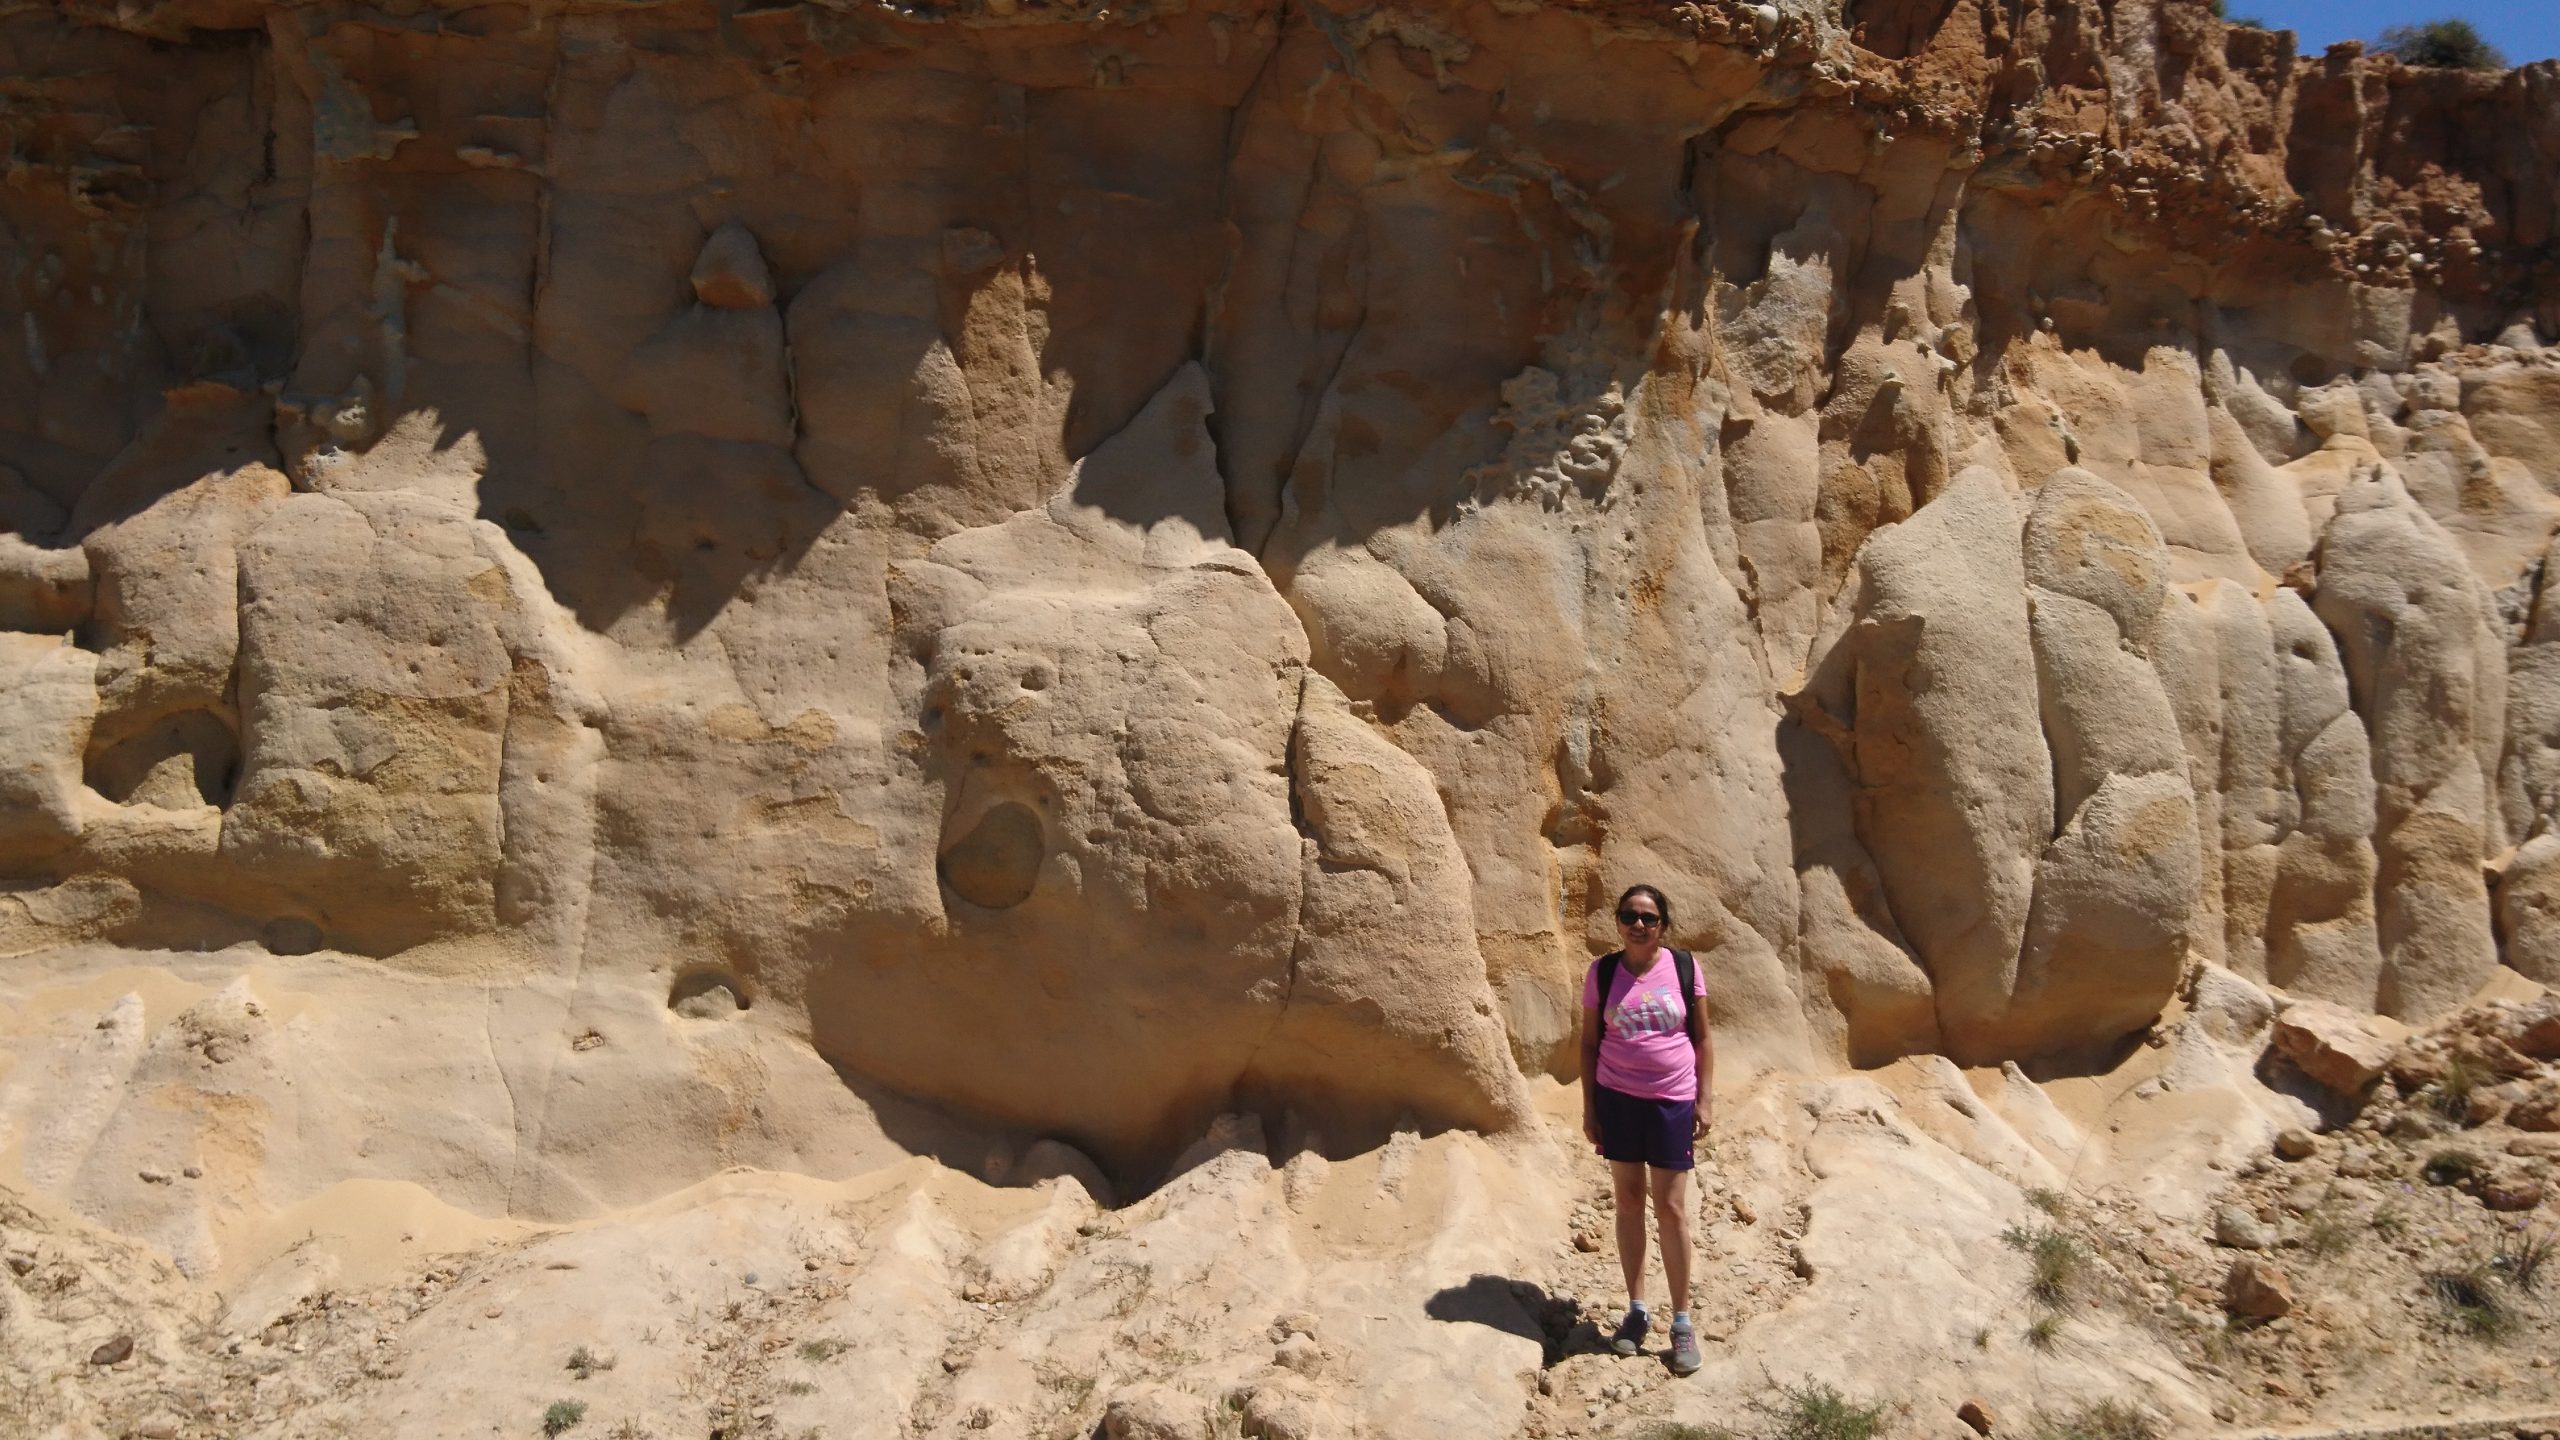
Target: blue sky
[{"x": 2527, "y": 30}]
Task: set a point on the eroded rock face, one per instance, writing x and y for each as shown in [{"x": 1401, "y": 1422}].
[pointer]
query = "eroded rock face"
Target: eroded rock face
[{"x": 1189, "y": 581}]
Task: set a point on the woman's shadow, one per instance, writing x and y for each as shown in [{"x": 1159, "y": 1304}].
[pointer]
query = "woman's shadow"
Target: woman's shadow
[{"x": 1517, "y": 1307}]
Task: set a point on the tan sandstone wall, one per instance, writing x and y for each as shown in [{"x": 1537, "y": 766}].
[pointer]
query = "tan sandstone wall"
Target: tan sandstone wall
[{"x": 1119, "y": 563}]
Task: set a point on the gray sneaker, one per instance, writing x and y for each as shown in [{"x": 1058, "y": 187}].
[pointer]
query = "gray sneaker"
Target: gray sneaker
[
  {"x": 1631, "y": 1332},
  {"x": 1685, "y": 1358}
]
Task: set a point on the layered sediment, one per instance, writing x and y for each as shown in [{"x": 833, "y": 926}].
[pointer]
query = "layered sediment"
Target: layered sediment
[{"x": 1094, "y": 566}]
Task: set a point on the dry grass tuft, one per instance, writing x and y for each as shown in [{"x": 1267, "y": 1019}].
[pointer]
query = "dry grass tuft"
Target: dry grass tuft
[
  {"x": 2057, "y": 1257},
  {"x": 2450, "y": 1167},
  {"x": 2472, "y": 1304},
  {"x": 1816, "y": 1411},
  {"x": 2450, "y": 1096},
  {"x": 2106, "y": 1420},
  {"x": 2522, "y": 1252},
  {"x": 2328, "y": 1235}
]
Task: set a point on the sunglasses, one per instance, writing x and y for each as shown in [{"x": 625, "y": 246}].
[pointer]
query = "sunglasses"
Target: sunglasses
[{"x": 1638, "y": 919}]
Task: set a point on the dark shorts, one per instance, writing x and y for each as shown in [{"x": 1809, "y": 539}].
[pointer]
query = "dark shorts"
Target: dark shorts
[{"x": 1655, "y": 1132}]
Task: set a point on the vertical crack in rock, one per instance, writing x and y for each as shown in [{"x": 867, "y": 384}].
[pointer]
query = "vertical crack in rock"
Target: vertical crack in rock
[
  {"x": 510, "y": 1187},
  {"x": 1290, "y": 493},
  {"x": 538, "y": 274},
  {"x": 1311, "y": 850},
  {"x": 1214, "y": 300}
]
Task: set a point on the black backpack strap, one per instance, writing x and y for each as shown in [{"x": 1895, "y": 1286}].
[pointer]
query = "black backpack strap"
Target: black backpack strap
[
  {"x": 1685, "y": 967},
  {"x": 1608, "y": 977}
]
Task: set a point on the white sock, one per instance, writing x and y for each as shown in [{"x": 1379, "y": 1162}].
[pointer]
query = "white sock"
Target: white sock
[
  {"x": 1679, "y": 1318},
  {"x": 1637, "y": 1307}
]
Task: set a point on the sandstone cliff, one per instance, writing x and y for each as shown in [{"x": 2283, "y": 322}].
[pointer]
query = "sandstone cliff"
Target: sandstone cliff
[{"x": 1109, "y": 564}]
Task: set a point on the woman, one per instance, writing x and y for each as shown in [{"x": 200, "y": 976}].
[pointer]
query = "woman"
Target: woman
[{"x": 1648, "y": 1076}]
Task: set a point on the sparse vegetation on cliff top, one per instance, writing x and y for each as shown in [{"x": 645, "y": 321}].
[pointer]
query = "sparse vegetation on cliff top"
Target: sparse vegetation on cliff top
[{"x": 2448, "y": 44}]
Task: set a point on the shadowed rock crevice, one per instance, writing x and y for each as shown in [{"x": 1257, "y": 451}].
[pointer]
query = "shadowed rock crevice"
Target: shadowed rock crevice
[{"x": 182, "y": 761}]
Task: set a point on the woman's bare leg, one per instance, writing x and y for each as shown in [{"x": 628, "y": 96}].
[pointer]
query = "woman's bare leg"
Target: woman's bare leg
[
  {"x": 1671, "y": 1212},
  {"x": 1628, "y": 1177}
]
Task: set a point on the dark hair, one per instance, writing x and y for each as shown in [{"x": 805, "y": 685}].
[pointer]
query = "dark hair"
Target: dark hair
[{"x": 1659, "y": 902}]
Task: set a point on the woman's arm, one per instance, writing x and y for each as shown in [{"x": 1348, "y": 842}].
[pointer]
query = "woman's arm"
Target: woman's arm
[
  {"x": 1591, "y": 1075},
  {"x": 1705, "y": 1041}
]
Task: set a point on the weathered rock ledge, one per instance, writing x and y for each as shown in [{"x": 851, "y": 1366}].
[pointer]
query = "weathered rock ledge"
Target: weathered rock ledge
[{"x": 1109, "y": 565}]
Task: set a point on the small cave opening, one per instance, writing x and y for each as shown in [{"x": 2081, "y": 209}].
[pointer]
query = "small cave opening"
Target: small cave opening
[
  {"x": 178, "y": 762},
  {"x": 291, "y": 935},
  {"x": 707, "y": 995},
  {"x": 996, "y": 864}
]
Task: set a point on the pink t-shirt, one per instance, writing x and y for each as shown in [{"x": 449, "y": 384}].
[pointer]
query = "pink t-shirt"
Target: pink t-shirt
[{"x": 1644, "y": 1041}]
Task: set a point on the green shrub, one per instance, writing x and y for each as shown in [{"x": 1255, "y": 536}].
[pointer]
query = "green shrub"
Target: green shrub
[
  {"x": 562, "y": 1415},
  {"x": 2447, "y": 44},
  {"x": 584, "y": 1363}
]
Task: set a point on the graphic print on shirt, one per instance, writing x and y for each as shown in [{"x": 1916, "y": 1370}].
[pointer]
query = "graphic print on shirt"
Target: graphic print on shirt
[{"x": 1649, "y": 1014}]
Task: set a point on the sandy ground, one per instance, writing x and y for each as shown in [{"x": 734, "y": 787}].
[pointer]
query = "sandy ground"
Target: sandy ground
[{"x": 1860, "y": 1231}]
